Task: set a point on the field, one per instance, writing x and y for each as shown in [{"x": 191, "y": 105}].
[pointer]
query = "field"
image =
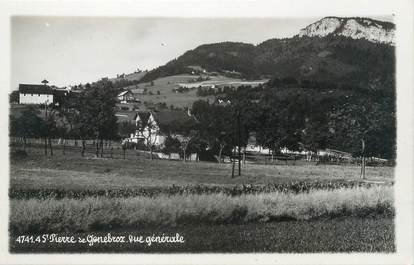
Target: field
[
  {"x": 280, "y": 208},
  {"x": 165, "y": 86},
  {"x": 71, "y": 171}
]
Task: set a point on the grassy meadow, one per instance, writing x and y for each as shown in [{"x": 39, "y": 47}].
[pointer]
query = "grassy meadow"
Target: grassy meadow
[
  {"x": 73, "y": 172},
  {"x": 278, "y": 208}
]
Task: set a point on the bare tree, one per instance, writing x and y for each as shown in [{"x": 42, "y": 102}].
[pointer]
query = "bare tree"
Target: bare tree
[
  {"x": 185, "y": 141},
  {"x": 221, "y": 147},
  {"x": 149, "y": 131}
]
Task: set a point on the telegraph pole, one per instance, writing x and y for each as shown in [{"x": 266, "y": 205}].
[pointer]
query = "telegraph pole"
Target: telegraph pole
[
  {"x": 238, "y": 138},
  {"x": 233, "y": 151},
  {"x": 46, "y": 126},
  {"x": 236, "y": 111},
  {"x": 363, "y": 159}
]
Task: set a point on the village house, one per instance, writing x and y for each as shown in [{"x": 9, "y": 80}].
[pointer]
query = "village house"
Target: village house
[
  {"x": 148, "y": 130},
  {"x": 196, "y": 85},
  {"x": 253, "y": 147},
  {"x": 126, "y": 96},
  {"x": 153, "y": 127},
  {"x": 334, "y": 154},
  {"x": 35, "y": 94}
]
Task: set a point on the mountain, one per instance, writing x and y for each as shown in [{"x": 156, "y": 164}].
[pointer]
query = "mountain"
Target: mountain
[
  {"x": 355, "y": 28},
  {"x": 325, "y": 51}
]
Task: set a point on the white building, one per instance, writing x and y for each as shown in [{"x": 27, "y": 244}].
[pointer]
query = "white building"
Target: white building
[
  {"x": 126, "y": 96},
  {"x": 35, "y": 94},
  {"x": 334, "y": 153},
  {"x": 253, "y": 147},
  {"x": 149, "y": 130},
  {"x": 154, "y": 127}
]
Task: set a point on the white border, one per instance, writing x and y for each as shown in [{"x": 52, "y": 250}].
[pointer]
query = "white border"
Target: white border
[{"x": 403, "y": 10}]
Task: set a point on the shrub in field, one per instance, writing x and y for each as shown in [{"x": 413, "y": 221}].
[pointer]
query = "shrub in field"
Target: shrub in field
[
  {"x": 91, "y": 214},
  {"x": 237, "y": 190}
]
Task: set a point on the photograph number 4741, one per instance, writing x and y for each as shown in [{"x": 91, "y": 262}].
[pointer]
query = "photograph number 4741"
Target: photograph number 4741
[{"x": 264, "y": 135}]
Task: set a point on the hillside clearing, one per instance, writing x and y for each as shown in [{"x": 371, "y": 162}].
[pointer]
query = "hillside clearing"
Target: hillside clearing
[{"x": 165, "y": 86}]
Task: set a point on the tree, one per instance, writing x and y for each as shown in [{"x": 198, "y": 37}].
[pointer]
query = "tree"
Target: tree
[
  {"x": 186, "y": 131},
  {"x": 214, "y": 126},
  {"x": 282, "y": 119},
  {"x": 270, "y": 132},
  {"x": 367, "y": 120},
  {"x": 28, "y": 124},
  {"x": 14, "y": 97},
  {"x": 223, "y": 140},
  {"x": 125, "y": 129},
  {"x": 67, "y": 113},
  {"x": 96, "y": 117},
  {"x": 244, "y": 111},
  {"x": 185, "y": 141},
  {"x": 51, "y": 128},
  {"x": 171, "y": 145},
  {"x": 33, "y": 123}
]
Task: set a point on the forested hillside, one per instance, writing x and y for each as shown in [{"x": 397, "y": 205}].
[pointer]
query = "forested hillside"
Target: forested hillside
[{"x": 333, "y": 59}]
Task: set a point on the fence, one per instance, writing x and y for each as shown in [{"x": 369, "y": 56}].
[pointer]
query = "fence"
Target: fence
[
  {"x": 110, "y": 149},
  {"x": 64, "y": 142},
  {"x": 113, "y": 149},
  {"x": 314, "y": 160}
]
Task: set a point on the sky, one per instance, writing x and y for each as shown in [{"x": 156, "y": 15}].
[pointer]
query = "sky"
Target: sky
[{"x": 72, "y": 50}]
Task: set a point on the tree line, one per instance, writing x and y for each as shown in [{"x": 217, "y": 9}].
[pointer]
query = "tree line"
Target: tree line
[{"x": 302, "y": 118}]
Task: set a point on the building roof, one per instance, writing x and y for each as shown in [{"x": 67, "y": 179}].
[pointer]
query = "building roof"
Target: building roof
[
  {"x": 60, "y": 92},
  {"x": 171, "y": 116},
  {"x": 123, "y": 93},
  {"x": 35, "y": 89},
  {"x": 338, "y": 152},
  {"x": 166, "y": 119},
  {"x": 143, "y": 116}
]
